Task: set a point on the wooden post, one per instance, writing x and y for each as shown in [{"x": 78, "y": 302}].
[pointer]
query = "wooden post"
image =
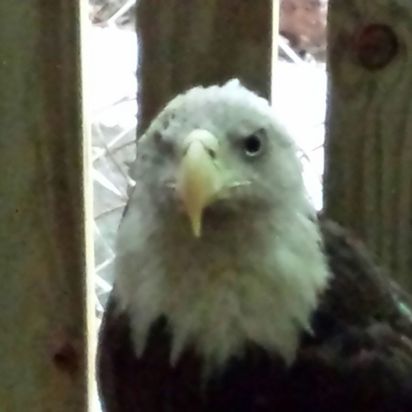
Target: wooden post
[
  {"x": 275, "y": 47},
  {"x": 368, "y": 176},
  {"x": 201, "y": 42},
  {"x": 42, "y": 230}
]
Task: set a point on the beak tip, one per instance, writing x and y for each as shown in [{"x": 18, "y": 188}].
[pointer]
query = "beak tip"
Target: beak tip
[{"x": 197, "y": 228}]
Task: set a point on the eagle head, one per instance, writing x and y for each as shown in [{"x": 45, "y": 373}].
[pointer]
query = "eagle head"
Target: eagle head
[{"x": 219, "y": 236}]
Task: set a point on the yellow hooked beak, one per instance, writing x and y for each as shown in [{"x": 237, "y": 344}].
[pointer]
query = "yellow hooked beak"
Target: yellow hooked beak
[{"x": 198, "y": 180}]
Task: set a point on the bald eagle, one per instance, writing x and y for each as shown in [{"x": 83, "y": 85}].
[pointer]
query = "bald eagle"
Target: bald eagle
[{"x": 230, "y": 294}]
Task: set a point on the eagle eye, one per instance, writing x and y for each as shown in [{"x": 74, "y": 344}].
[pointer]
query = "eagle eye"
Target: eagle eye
[{"x": 252, "y": 145}]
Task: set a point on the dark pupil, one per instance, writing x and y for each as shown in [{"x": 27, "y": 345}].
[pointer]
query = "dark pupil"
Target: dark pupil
[{"x": 252, "y": 145}]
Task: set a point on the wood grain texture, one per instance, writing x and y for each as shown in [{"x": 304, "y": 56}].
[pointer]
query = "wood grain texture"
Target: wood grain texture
[
  {"x": 368, "y": 176},
  {"x": 183, "y": 44},
  {"x": 42, "y": 235}
]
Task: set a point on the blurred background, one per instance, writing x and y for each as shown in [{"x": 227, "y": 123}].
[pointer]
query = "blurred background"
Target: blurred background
[{"x": 299, "y": 93}]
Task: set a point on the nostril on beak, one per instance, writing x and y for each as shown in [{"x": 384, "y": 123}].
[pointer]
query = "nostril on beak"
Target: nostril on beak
[{"x": 211, "y": 152}]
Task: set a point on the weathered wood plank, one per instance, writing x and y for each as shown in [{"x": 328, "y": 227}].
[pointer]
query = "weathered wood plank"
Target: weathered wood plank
[
  {"x": 274, "y": 47},
  {"x": 42, "y": 241},
  {"x": 183, "y": 44},
  {"x": 368, "y": 176}
]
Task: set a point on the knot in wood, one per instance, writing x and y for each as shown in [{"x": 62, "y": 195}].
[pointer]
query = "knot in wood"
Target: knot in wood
[
  {"x": 65, "y": 356},
  {"x": 375, "y": 46}
]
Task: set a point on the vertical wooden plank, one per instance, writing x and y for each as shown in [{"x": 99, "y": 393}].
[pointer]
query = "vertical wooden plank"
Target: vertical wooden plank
[
  {"x": 42, "y": 236},
  {"x": 275, "y": 46},
  {"x": 183, "y": 44},
  {"x": 368, "y": 176}
]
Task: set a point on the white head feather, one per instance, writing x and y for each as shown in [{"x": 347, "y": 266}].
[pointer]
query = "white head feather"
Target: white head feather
[{"x": 255, "y": 274}]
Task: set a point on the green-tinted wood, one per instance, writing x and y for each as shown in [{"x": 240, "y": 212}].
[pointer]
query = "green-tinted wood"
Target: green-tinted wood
[
  {"x": 42, "y": 242},
  {"x": 368, "y": 176},
  {"x": 186, "y": 43}
]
